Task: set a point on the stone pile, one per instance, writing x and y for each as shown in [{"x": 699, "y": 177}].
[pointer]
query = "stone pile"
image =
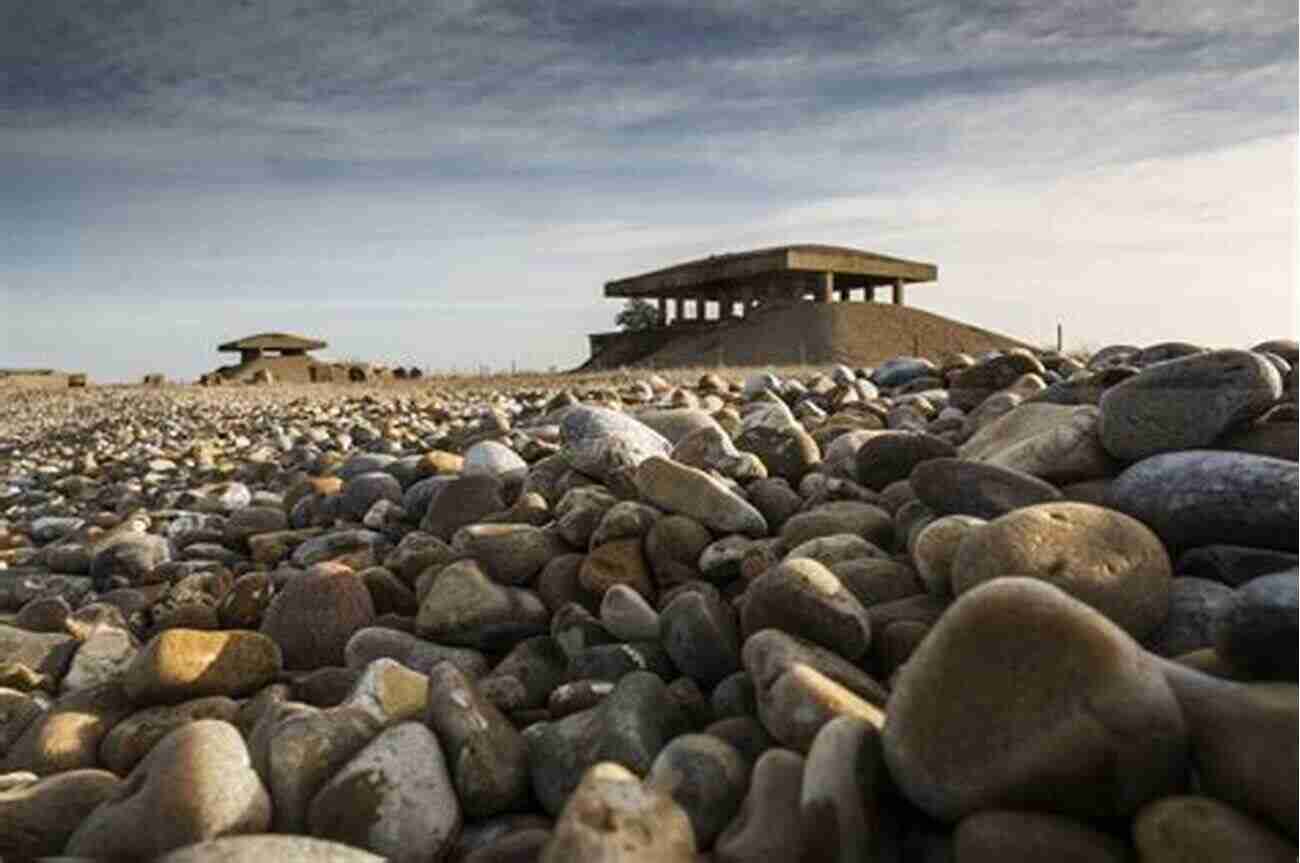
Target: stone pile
[{"x": 1005, "y": 607}]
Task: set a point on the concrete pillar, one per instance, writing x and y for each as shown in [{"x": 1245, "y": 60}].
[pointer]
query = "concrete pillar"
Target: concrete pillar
[
  {"x": 661, "y": 307},
  {"x": 898, "y": 292},
  {"x": 869, "y": 294},
  {"x": 825, "y": 288},
  {"x": 845, "y": 294}
]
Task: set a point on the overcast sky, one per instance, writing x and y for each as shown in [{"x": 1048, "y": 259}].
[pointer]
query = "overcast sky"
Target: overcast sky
[{"x": 451, "y": 183}]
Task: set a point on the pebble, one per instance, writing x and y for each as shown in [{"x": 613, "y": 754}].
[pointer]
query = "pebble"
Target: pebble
[
  {"x": 1016, "y": 665},
  {"x": 678, "y": 488},
  {"x": 1204, "y": 497},
  {"x": 395, "y": 797},
  {"x": 1104, "y": 558},
  {"x": 490, "y": 590},
  {"x": 1186, "y": 403},
  {"x": 196, "y": 784},
  {"x": 1256, "y": 627}
]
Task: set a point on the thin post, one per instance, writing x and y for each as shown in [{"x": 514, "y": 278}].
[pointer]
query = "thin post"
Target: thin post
[
  {"x": 826, "y": 290},
  {"x": 1060, "y": 338}
]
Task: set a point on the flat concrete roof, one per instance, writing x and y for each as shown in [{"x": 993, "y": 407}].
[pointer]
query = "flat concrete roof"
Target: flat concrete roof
[
  {"x": 272, "y": 342},
  {"x": 853, "y": 268}
]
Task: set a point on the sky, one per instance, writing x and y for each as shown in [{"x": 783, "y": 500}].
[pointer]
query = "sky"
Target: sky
[{"x": 449, "y": 184}]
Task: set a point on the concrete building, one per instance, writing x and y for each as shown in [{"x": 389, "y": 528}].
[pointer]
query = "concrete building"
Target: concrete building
[
  {"x": 283, "y": 355},
  {"x": 724, "y": 289}
]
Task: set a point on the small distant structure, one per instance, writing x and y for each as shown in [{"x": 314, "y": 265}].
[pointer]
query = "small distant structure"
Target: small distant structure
[
  {"x": 283, "y": 356},
  {"x": 154, "y": 380},
  {"x": 41, "y": 379}
]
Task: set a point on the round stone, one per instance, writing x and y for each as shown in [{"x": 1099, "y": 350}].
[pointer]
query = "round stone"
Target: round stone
[
  {"x": 1186, "y": 403},
  {"x": 395, "y": 798},
  {"x": 196, "y": 784},
  {"x": 935, "y": 548},
  {"x": 677, "y": 488},
  {"x": 1022, "y": 697},
  {"x": 891, "y": 456},
  {"x": 314, "y": 615},
  {"x": 1194, "y": 605},
  {"x": 952, "y": 486},
  {"x": 181, "y": 664},
  {"x": 990, "y": 837},
  {"x": 363, "y": 490},
  {"x": 1204, "y": 497},
  {"x": 37, "y": 819},
  {"x": 699, "y": 634},
  {"x": 1101, "y": 557},
  {"x": 1185, "y": 829},
  {"x": 805, "y": 598},
  {"x": 613, "y": 816},
  {"x": 767, "y": 826},
  {"x": 708, "y": 779},
  {"x": 1256, "y": 629},
  {"x": 487, "y": 756}
]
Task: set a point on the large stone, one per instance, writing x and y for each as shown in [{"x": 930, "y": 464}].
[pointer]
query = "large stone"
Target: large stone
[
  {"x": 841, "y": 516},
  {"x": 1194, "y": 605},
  {"x": 180, "y": 664},
  {"x": 487, "y": 757},
  {"x": 952, "y": 486},
  {"x": 36, "y": 819},
  {"x": 608, "y": 445},
  {"x": 1205, "y": 497},
  {"x": 464, "y": 607},
  {"x": 1189, "y": 829},
  {"x": 612, "y": 816},
  {"x": 712, "y": 449},
  {"x": 1022, "y": 697},
  {"x": 269, "y": 846},
  {"x": 495, "y": 459},
  {"x": 418, "y": 654},
  {"x": 768, "y": 824},
  {"x": 891, "y": 456},
  {"x": 708, "y": 779},
  {"x": 131, "y": 557},
  {"x": 1245, "y": 742},
  {"x": 1257, "y": 629},
  {"x": 804, "y": 598},
  {"x": 1101, "y": 557},
  {"x": 673, "y": 548},
  {"x": 842, "y": 804},
  {"x": 67, "y": 736},
  {"x": 132, "y": 738},
  {"x": 509, "y": 553},
  {"x": 196, "y": 784},
  {"x": 297, "y": 748},
  {"x": 395, "y": 797},
  {"x": 700, "y": 636},
  {"x": 363, "y": 490},
  {"x": 677, "y": 424},
  {"x": 787, "y": 452},
  {"x": 314, "y": 615},
  {"x": 677, "y": 488},
  {"x": 462, "y": 501},
  {"x": 934, "y": 548},
  {"x": 1186, "y": 403},
  {"x": 1233, "y": 565},
  {"x": 630, "y": 726},
  {"x": 45, "y": 653},
  {"x": 617, "y": 563},
  {"x": 1056, "y": 443},
  {"x": 997, "y": 835},
  {"x": 972, "y": 385}
]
